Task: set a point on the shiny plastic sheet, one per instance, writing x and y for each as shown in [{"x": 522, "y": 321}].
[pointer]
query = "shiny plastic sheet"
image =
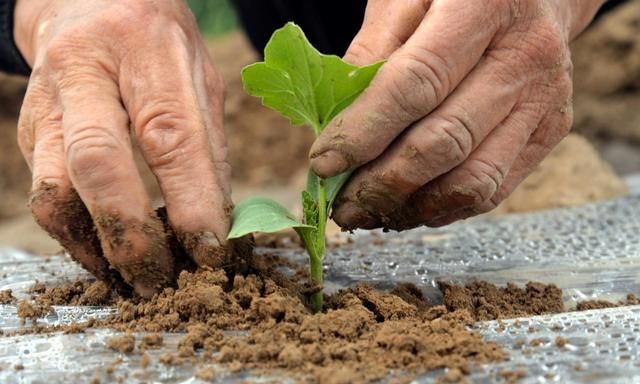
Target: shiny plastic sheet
[{"x": 590, "y": 252}]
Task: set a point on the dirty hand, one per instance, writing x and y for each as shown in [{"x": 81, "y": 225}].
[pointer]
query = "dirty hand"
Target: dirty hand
[
  {"x": 100, "y": 69},
  {"x": 474, "y": 94}
]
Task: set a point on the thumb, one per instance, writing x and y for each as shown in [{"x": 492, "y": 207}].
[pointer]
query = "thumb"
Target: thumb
[{"x": 387, "y": 25}]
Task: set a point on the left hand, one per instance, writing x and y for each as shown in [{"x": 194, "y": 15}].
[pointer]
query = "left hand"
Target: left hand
[{"x": 473, "y": 96}]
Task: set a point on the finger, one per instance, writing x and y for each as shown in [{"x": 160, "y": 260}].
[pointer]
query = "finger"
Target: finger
[
  {"x": 54, "y": 204},
  {"x": 59, "y": 210},
  {"x": 100, "y": 164},
  {"x": 387, "y": 25},
  {"x": 417, "y": 77},
  {"x": 432, "y": 146},
  {"x": 477, "y": 179},
  {"x": 176, "y": 104},
  {"x": 551, "y": 131}
]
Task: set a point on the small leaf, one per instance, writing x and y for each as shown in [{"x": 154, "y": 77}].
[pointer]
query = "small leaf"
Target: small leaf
[
  {"x": 301, "y": 83},
  {"x": 260, "y": 214}
]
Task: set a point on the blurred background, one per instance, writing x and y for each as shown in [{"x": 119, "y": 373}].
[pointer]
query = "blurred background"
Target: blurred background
[
  {"x": 269, "y": 157},
  {"x": 214, "y": 17}
]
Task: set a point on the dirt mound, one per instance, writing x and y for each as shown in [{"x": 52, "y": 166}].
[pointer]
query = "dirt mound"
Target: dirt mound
[
  {"x": 363, "y": 334},
  {"x": 572, "y": 174},
  {"x": 607, "y": 75}
]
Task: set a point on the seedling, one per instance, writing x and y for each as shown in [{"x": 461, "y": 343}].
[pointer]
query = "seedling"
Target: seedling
[{"x": 308, "y": 88}]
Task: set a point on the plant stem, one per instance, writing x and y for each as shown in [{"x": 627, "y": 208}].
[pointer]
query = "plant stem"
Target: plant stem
[{"x": 317, "y": 255}]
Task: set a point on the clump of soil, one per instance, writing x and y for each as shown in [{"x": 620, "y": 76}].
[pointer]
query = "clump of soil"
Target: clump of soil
[
  {"x": 600, "y": 304},
  {"x": 572, "y": 174},
  {"x": 27, "y": 310},
  {"x": 77, "y": 292},
  {"x": 122, "y": 344},
  {"x": 486, "y": 301},
  {"x": 151, "y": 341},
  {"x": 6, "y": 297},
  {"x": 561, "y": 342}
]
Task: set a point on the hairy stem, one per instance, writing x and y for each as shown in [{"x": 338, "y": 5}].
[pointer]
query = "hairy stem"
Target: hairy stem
[{"x": 317, "y": 255}]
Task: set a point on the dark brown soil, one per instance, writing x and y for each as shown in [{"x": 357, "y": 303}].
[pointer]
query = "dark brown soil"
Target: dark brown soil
[
  {"x": 600, "y": 304},
  {"x": 486, "y": 301}
]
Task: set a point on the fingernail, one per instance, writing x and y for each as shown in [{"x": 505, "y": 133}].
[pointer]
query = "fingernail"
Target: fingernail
[
  {"x": 350, "y": 216},
  {"x": 209, "y": 239},
  {"x": 329, "y": 163},
  {"x": 205, "y": 249}
]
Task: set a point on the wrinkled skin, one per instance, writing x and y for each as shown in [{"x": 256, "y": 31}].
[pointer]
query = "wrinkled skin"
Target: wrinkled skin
[
  {"x": 106, "y": 72},
  {"x": 473, "y": 96}
]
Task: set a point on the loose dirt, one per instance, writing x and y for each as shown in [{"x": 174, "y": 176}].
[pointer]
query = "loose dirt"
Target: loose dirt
[
  {"x": 6, "y": 297},
  {"x": 486, "y": 301},
  {"x": 363, "y": 334},
  {"x": 600, "y": 304}
]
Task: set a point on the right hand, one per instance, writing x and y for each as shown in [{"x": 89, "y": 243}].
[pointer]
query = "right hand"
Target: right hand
[{"x": 101, "y": 68}]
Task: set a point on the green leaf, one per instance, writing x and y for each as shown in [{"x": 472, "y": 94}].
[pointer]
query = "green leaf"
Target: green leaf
[
  {"x": 302, "y": 84},
  {"x": 332, "y": 185},
  {"x": 260, "y": 214}
]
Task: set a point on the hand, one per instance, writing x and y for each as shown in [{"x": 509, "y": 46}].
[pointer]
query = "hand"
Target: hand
[
  {"x": 101, "y": 68},
  {"x": 473, "y": 96}
]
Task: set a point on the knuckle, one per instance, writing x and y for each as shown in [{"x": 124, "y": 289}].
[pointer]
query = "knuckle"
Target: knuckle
[
  {"x": 423, "y": 82},
  {"x": 484, "y": 178},
  {"x": 25, "y": 136},
  {"x": 57, "y": 52},
  {"x": 66, "y": 50},
  {"x": 122, "y": 18},
  {"x": 164, "y": 136},
  {"x": 547, "y": 46},
  {"x": 88, "y": 153},
  {"x": 453, "y": 137},
  {"x": 359, "y": 52}
]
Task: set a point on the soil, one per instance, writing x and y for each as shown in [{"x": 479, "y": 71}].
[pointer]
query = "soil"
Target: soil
[
  {"x": 363, "y": 334},
  {"x": 572, "y": 174},
  {"x": 486, "y": 301},
  {"x": 6, "y": 297},
  {"x": 607, "y": 76},
  {"x": 600, "y": 304},
  {"x": 31, "y": 311},
  {"x": 122, "y": 344}
]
